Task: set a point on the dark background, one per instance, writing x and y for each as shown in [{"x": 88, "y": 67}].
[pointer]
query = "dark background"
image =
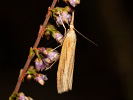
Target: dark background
[{"x": 101, "y": 73}]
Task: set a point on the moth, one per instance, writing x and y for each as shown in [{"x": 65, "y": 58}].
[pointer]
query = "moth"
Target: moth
[{"x": 66, "y": 62}]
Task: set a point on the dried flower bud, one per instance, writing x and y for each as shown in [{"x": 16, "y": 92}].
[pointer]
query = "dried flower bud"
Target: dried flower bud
[
  {"x": 40, "y": 78},
  {"x": 29, "y": 77},
  {"x": 43, "y": 50},
  {"x": 39, "y": 64},
  {"x": 47, "y": 34}
]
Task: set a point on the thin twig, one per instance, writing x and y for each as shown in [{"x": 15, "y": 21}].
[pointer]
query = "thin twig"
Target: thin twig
[{"x": 40, "y": 34}]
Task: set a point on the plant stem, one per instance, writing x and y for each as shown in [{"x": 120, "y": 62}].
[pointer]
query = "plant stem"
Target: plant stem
[{"x": 40, "y": 34}]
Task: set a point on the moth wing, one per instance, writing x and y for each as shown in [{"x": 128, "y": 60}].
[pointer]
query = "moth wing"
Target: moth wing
[{"x": 66, "y": 63}]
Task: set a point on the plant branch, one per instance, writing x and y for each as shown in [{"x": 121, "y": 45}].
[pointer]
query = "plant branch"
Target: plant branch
[{"x": 40, "y": 34}]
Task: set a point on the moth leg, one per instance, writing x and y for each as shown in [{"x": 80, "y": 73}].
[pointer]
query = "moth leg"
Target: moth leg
[
  {"x": 85, "y": 37},
  {"x": 64, "y": 35},
  {"x": 56, "y": 47},
  {"x": 51, "y": 65}
]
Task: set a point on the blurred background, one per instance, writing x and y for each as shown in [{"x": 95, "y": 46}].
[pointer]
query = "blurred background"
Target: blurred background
[{"x": 101, "y": 73}]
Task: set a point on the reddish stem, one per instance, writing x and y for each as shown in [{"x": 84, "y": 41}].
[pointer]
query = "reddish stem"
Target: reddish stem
[{"x": 40, "y": 34}]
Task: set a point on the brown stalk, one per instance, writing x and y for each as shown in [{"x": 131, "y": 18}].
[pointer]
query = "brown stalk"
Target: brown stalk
[{"x": 40, "y": 34}]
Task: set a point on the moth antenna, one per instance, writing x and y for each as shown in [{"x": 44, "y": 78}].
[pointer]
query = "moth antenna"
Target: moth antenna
[
  {"x": 72, "y": 27},
  {"x": 85, "y": 37}
]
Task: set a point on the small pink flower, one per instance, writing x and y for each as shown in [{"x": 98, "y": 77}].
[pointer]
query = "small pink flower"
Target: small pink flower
[
  {"x": 53, "y": 56},
  {"x": 39, "y": 64},
  {"x": 58, "y": 36},
  {"x": 59, "y": 20},
  {"x": 40, "y": 78}
]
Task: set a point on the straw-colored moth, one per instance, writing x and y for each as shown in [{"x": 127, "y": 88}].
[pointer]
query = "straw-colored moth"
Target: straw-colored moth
[{"x": 66, "y": 63}]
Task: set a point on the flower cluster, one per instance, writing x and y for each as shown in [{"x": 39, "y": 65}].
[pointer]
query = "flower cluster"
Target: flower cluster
[
  {"x": 44, "y": 60},
  {"x": 46, "y": 56},
  {"x": 40, "y": 78},
  {"x": 54, "y": 32},
  {"x": 61, "y": 15}
]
